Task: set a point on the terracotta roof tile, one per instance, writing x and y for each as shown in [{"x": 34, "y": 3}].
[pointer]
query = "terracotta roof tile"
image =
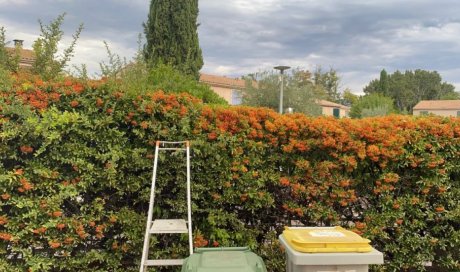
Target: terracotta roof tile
[
  {"x": 222, "y": 81},
  {"x": 438, "y": 105},
  {"x": 25, "y": 53},
  {"x": 325, "y": 103}
]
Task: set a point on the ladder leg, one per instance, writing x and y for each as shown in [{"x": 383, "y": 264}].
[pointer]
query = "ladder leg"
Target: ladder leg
[
  {"x": 189, "y": 201},
  {"x": 145, "y": 251}
]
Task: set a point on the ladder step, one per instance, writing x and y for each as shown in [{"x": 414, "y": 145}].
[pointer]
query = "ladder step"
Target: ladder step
[
  {"x": 171, "y": 148},
  {"x": 164, "y": 262},
  {"x": 169, "y": 226}
]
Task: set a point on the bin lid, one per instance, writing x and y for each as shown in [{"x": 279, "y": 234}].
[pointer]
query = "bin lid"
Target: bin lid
[
  {"x": 327, "y": 239},
  {"x": 237, "y": 259}
]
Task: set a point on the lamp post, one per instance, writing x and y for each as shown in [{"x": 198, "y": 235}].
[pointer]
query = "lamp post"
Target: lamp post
[{"x": 281, "y": 68}]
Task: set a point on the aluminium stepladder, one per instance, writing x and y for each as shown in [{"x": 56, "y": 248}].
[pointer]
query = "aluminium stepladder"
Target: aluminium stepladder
[{"x": 164, "y": 226}]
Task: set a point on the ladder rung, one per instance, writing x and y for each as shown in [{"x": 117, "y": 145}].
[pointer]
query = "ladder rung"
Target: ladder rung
[
  {"x": 164, "y": 262},
  {"x": 169, "y": 226},
  {"x": 171, "y": 148},
  {"x": 172, "y": 142}
]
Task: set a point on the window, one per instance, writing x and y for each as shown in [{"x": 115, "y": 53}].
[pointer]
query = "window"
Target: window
[
  {"x": 458, "y": 113},
  {"x": 237, "y": 97},
  {"x": 423, "y": 112},
  {"x": 336, "y": 112}
]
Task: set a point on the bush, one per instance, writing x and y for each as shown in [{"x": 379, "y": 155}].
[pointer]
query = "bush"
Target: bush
[{"x": 76, "y": 168}]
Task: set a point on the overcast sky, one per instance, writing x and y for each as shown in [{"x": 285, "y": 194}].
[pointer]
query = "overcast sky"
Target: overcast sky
[{"x": 358, "y": 38}]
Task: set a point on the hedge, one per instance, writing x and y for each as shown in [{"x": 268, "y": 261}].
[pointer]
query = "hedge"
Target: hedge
[{"x": 76, "y": 164}]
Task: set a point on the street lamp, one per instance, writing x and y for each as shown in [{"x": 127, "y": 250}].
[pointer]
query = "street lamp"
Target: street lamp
[{"x": 281, "y": 68}]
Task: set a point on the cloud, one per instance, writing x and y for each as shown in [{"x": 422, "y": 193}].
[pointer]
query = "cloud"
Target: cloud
[{"x": 356, "y": 37}]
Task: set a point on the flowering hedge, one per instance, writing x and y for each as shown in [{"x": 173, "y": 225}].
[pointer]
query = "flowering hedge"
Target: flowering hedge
[{"x": 76, "y": 164}]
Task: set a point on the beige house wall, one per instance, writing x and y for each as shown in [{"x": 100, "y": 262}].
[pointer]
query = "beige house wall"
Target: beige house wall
[
  {"x": 438, "y": 112},
  {"x": 329, "y": 111},
  {"x": 225, "y": 93}
]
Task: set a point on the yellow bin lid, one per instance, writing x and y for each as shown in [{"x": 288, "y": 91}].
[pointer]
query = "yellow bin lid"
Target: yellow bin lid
[{"x": 320, "y": 240}]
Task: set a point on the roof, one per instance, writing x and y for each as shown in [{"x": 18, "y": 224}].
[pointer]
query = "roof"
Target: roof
[
  {"x": 222, "y": 81},
  {"x": 325, "y": 103},
  {"x": 438, "y": 105},
  {"x": 27, "y": 55}
]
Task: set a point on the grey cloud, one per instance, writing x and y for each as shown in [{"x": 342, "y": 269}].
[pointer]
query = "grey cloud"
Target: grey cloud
[{"x": 356, "y": 37}]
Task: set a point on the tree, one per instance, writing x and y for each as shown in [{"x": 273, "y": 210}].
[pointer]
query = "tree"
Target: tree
[
  {"x": 172, "y": 38},
  {"x": 47, "y": 64},
  {"x": 370, "y": 105},
  {"x": 383, "y": 83},
  {"x": 300, "y": 91},
  {"x": 349, "y": 98},
  {"x": 408, "y": 88},
  {"x": 9, "y": 59},
  {"x": 330, "y": 81}
]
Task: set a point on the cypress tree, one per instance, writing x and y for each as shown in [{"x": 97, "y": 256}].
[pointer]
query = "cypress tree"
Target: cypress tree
[{"x": 171, "y": 34}]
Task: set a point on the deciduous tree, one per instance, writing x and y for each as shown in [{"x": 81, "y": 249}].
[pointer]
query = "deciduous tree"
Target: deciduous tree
[
  {"x": 408, "y": 88},
  {"x": 300, "y": 91},
  {"x": 371, "y": 105},
  {"x": 48, "y": 64}
]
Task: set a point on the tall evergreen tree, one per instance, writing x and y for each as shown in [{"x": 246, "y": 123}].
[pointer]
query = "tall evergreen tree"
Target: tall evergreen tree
[{"x": 171, "y": 34}]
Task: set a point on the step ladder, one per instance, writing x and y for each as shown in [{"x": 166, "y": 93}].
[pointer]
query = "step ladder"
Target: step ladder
[{"x": 164, "y": 226}]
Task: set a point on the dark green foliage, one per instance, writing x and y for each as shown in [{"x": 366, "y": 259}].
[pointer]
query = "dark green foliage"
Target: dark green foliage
[
  {"x": 408, "y": 88},
  {"x": 169, "y": 79},
  {"x": 172, "y": 38}
]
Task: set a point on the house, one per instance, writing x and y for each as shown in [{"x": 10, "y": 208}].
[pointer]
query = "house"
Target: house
[
  {"x": 231, "y": 90},
  {"x": 26, "y": 56},
  {"x": 228, "y": 88},
  {"x": 333, "y": 109},
  {"x": 438, "y": 107}
]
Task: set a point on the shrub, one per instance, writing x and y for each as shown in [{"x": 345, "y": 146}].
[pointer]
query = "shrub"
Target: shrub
[{"x": 76, "y": 165}]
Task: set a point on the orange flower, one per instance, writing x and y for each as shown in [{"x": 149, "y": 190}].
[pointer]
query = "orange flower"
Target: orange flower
[
  {"x": 113, "y": 219},
  {"x": 26, "y": 149},
  {"x": 39, "y": 230},
  {"x": 439, "y": 209},
  {"x": 99, "y": 102},
  {"x": 74, "y": 103},
  {"x": 5, "y": 196},
  {"x": 344, "y": 183},
  {"x": 5, "y": 236},
  {"x": 212, "y": 136},
  {"x": 199, "y": 241},
  {"x": 57, "y": 213},
  {"x": 284, "y": 181},
  {"x": 144, "y": 124},
  {"x": 60, "y": 226},
  {"x": 3, "y": 220},
  {"x": 360, "y": 225},
  {"x": 54, "y": 244},
  {"x": 243, "y": 197},
  {"x": 68, "y": 240}
]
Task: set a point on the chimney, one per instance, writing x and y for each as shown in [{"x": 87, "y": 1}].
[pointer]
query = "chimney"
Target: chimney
[{"x": 18, "y": 42}]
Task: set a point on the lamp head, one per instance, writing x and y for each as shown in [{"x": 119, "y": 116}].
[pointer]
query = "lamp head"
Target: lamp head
[{"x": 282, "y": 68}]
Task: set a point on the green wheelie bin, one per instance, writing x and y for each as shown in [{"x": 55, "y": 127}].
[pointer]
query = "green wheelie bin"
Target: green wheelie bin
[{"x": 224, "y": 259}]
